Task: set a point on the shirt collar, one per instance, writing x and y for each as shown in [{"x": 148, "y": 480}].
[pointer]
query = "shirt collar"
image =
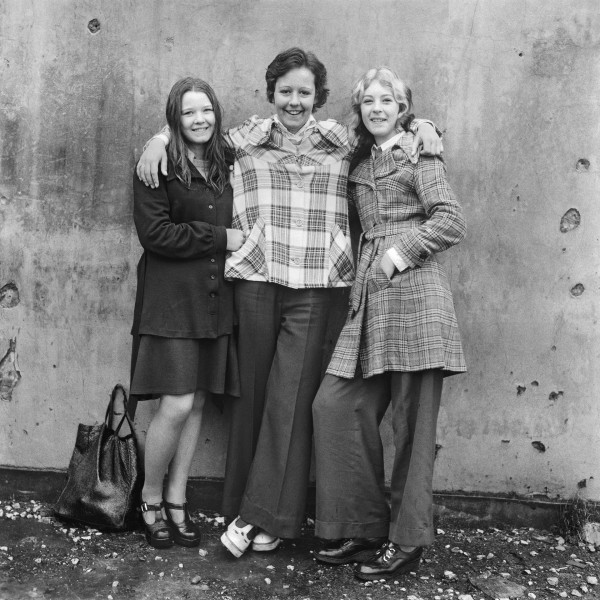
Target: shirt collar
[
  {"x": 387, "y": 144},
  {"x": 300, "y": 134}
]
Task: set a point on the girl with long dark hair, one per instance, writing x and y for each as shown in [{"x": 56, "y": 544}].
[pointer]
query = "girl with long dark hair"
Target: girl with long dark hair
[{"x": 183, "y": 348}]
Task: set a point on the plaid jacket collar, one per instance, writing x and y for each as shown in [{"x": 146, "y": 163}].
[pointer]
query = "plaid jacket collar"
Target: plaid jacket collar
[
  {"x": 364, "y": 172},
  {"x": 266, "y": 133}
]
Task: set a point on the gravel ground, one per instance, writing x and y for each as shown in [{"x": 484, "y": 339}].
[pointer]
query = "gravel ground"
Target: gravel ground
[{"x": 40, "y": 557}]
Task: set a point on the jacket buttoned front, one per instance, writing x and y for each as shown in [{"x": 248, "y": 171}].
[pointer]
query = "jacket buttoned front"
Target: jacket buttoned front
[
  {"x": 181, "y": 290},
  {"x": 406, "y": 323}
]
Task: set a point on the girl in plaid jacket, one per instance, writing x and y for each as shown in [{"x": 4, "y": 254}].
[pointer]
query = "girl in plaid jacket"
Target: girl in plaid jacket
[
  {"x": 399, "y": 341},
  {"x": 290, "y": 181}
]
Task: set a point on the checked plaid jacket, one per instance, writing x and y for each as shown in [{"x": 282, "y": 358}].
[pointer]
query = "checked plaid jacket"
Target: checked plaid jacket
[
  {"x": 407, "y": 323},
  {"x": 290, "y": 200}
]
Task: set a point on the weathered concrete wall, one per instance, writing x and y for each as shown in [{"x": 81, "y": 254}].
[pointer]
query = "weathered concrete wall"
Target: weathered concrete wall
[{"x": 515, "y": 86}]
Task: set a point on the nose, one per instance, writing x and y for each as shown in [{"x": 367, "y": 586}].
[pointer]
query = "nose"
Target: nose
[
  {"x": 376, "y": 106},
  {"x": 199, "y": 117},
  {"x": 294, "y": 99}
]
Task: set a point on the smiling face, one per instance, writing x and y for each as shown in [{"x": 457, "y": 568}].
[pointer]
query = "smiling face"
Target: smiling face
[
  {"x": 197, "y": 121},
  {"x": 294, "y": 98},
  {"x": 380, "y": 111}
]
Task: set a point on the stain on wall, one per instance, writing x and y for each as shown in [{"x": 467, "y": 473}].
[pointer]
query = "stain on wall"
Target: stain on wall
[{"x": 9, "y": 371}]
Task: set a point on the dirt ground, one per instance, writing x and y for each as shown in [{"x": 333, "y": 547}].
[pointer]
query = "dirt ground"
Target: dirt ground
[{"x": 40, "y": 557}]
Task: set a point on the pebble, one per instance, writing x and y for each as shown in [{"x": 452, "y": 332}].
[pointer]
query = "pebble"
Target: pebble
[
  {"x": 576, "y": 593},
  {"x": 553, "y": 581},
  {"x": 267, "y": 581},
  {"x": 592, "y": 580},
  {"x": 195, "y": 580},
  {"x": 202, "y": 552},
  {"x": 449, "y": 575}
]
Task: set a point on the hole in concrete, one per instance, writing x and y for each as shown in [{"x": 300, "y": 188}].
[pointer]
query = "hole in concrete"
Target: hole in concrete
[
  {"x": 539, "y": 446},
  {"x": 9, "y": 371},
  {"x": 9, "y": 295},
  {"x": 535, "y": 383},
  {"x": 583, "y": 164},
  {"x": 555, "y": 395},
  {"x": 94, "y": 26},
  {"x": 520, "y": 389},
  {"x": 570, "y": 220},
  {"x": 577, "y": 290}
]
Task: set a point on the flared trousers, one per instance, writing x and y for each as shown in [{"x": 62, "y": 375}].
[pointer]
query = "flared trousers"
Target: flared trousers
[
  {"x": 282, "y": 338},
  {"x": 351, "y": 494}
]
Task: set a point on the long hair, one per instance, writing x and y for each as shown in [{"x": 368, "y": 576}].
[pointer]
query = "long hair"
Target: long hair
[
  {"x": 402, "y": 94},
  {"x": 296, "y": 58},
  {"x": 217, "y": 152}
]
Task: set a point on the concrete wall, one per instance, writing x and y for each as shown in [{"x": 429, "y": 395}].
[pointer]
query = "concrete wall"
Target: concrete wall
[{"x": 513, "y": 83}]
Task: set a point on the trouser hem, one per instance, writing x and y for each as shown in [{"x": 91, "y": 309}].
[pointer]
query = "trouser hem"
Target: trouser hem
[
  {"x": 337, "y": 530},
  {"x": 413, "y": 537},
  {"x": 283, "y": 527}
]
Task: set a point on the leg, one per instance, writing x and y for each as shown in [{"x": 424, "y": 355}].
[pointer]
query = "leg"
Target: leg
[
  {"x": 162, "y": 441},
  {"x": 179, "y": 467},
  {"x": 415, "y": 406},
  {"x": 185, "y": 531},
  {"x": 258, "y": 314},
  {"x": 161, "y": 444},
  {"x": 275, "y": 496},
  {"x": 351, "y": 500}
]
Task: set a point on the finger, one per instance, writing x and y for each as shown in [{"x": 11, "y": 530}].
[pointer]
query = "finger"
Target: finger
[
  {"x": 154, "y": 175},
  {"x": 163, "y": 164},
  {"x": 144, "y": 175},
  {"x": 415, "y": 145}
]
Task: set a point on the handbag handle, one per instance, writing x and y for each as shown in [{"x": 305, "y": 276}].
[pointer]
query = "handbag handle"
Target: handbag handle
[{"x": 110, "y": 408}]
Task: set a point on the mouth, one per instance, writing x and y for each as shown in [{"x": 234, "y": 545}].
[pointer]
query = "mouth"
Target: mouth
[
  {"x": 378, "y": 120},
  {"x": 294, "y": 113},
  {"x": 200, "y": 129}
]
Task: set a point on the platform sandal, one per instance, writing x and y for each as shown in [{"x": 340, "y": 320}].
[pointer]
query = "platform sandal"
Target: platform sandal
[{"x": 158, "y": 534}]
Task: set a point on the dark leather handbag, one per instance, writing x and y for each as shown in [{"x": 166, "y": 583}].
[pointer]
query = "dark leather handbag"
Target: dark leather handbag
[{"x": 104, "y": 477}]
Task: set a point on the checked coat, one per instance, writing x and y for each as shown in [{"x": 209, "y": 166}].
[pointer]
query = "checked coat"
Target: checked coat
[{"x": 407, "y": 323}]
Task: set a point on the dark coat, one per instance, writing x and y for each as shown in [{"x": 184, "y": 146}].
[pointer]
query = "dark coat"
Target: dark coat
[
  {"x": 406, "y": 323},
  {"x": 181, "y": 291}
]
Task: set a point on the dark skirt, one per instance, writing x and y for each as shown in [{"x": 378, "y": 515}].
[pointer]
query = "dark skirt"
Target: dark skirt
[{"x": 178, "y": 366}]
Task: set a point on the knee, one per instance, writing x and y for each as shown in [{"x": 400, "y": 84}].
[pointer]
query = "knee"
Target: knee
[{"x": 176, "y": 408}]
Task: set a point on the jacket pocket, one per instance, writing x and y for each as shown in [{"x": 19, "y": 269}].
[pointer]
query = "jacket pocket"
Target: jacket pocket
[
  {"x": 341, "y": 267},
  {"x": 250, "y": 258}
]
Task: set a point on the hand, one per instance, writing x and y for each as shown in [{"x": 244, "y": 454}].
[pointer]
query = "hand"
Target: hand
[
  {"x": 235, "y": 239},
  {"x": 387, "y": 265},
  {"x": 429, "y": 141},
  {"x": 154, "y": 155}
]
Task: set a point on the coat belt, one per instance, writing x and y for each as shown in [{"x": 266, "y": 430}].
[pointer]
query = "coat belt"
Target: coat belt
[{"x": 368, "y": 246}]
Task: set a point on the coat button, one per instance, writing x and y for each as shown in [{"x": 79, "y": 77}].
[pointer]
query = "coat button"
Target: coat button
[
  {"x": 212, "y": 260},
  {"x": 213, "y": 277},
  {"x": 212, "y": 294},
  {"x": 210, "y": 206}
]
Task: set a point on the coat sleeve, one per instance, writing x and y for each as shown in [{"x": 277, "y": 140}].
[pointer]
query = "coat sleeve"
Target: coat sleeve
[
  {"x": 445, "y": 225},
  {"x": 158, "y": 234}
]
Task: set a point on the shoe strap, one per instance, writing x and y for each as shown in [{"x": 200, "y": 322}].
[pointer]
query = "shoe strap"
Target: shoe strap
[
  {"x": 149, "y": 507},
  {"x": 174, "y": 506}
]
